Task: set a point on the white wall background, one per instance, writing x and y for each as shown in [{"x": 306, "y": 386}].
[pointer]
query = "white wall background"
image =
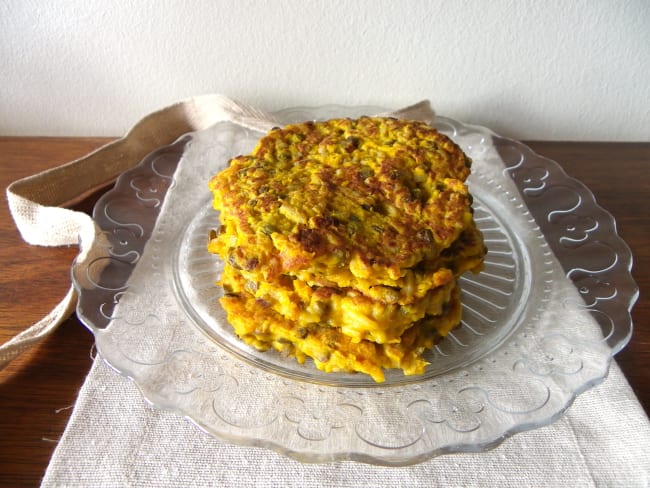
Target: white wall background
[{"x": 556, "y": 69}]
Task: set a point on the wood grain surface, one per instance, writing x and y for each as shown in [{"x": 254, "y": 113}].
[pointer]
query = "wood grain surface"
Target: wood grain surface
[{"x": 38, "y": 390}]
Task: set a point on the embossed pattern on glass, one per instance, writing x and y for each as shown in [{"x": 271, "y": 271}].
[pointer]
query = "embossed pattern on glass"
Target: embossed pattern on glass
[{"x": 540, "y": 324}]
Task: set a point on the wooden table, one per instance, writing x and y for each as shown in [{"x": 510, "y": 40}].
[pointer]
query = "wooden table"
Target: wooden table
[{"x": 38, "y": 390}]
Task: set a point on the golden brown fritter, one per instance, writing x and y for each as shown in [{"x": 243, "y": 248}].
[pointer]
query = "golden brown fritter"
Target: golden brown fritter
[
  {"x": 353, "y": 231},
  {"x": 255, "y": 322},
  {"x": 370, "y": 197}
]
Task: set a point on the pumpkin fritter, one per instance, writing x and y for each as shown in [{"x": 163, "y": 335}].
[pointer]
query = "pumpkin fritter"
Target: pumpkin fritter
[
  {"x": 351, "y": 228},
  {"x": 358, "y": 317},
  {"x": 255, "y": 322}
]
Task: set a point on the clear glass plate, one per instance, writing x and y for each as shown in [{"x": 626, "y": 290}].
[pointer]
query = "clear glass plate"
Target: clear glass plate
[{"x": 540, "y": 323}]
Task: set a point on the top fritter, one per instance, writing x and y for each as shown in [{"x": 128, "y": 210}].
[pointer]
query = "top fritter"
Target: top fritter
[{"x": 343, "y": 201}]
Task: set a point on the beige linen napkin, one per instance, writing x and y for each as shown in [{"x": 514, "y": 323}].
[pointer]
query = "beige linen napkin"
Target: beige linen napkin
[
  {"x": 115, "y": 439},
  {"x": 37, "y": 203}
]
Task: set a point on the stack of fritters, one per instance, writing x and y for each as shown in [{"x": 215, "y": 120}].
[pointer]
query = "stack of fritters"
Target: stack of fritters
[{"x": 342, "y": 241}]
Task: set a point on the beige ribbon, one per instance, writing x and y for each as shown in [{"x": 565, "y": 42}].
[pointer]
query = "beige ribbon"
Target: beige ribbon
[{"x": 37, "y": 203}]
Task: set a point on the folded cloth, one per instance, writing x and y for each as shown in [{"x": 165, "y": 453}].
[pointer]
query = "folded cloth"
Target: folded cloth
[{"x": 114, "y": 438}]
